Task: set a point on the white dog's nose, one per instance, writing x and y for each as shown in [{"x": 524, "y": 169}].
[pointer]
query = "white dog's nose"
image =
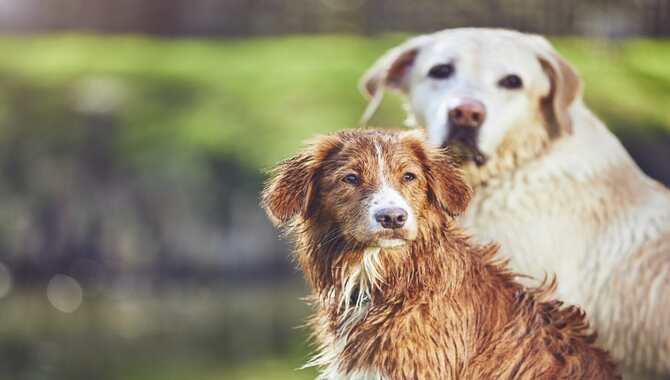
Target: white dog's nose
[{"x": 468, "y": 113}]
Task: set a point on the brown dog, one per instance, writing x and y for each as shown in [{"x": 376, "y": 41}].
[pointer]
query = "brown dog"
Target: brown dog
[{"x": 400, "y": 291}]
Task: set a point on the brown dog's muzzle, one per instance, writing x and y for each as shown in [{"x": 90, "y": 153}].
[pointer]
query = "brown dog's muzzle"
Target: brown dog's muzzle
[{"x": 465, "y": 120}]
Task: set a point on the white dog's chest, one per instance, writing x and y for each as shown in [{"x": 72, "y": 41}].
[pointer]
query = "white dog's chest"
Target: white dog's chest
[
  {"x": 544, "y": 231},
  {"x": 537, "y": 243},
  {"x": 574, "y": 230}
]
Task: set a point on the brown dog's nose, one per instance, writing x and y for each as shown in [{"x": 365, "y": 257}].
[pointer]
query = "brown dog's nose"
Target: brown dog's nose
[
  {"x": 470, "y": 113},
  {"x": 391, "y": 218}
]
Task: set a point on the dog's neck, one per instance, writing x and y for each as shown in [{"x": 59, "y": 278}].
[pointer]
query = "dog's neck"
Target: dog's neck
[
  {"x": 348, "y": 281},
  {"x": 441, "y": 269},
  {"x": 524, "y": 145}
]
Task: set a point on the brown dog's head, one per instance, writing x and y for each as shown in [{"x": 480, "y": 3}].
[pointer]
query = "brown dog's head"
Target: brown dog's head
[
  {"x": 359, "y": 191},
  {"x": 374, "y": 186}
]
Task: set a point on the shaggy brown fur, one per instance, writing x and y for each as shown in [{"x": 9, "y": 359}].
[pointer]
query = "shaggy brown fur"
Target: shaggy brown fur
[{"x": 437, "y": 307}]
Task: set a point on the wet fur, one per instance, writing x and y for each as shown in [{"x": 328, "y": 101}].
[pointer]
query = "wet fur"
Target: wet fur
[{"x": 439, "y": 307}]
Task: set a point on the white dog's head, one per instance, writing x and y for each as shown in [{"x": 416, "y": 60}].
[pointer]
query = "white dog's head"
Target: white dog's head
[{"x": 474, "y": 86}]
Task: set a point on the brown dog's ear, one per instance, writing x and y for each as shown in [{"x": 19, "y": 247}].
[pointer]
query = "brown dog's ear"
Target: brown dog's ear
[
  {"x": 446, "y": 185},
  {"x": 292, "y": 188},
  {"x": 566, "y": 87},
  {"x": 288, "y": 192},
  {"x": 389, "y": 71}
]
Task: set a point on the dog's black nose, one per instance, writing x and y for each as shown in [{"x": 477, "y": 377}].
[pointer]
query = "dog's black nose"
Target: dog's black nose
[{"x": 391, "y": 217}]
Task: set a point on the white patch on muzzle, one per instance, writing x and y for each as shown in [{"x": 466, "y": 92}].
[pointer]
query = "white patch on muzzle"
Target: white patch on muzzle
[{"x": 387, "y": 197}]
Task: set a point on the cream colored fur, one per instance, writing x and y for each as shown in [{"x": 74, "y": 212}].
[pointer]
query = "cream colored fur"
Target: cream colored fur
[
  {"x": 584, "y": 211},
  {"x": 575, "y": 205}
]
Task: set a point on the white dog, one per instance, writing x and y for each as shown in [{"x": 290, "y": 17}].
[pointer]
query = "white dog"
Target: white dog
[{"x": 552, "y": 185}]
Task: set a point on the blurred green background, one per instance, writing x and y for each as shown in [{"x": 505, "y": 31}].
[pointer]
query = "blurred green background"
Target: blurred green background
[{"x": 131, "y": 241}]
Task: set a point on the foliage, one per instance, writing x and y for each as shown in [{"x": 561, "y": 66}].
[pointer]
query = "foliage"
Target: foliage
[{"x": 258, "y": 99}]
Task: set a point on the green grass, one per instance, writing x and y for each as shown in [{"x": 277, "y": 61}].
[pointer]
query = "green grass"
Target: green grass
[
  {"x": 275, "y": 368},
  {"x": 258, "y": 99},
  {"x": 182, "y": 333}
]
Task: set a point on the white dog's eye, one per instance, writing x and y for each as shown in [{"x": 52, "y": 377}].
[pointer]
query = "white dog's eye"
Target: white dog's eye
[
  {"x": 511, "y": 82},
  {"x": 441, "y": 71}
]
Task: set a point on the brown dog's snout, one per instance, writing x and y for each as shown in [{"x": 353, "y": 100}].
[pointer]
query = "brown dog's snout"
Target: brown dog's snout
[
  {"x": 391, "y": 218},
  {"x": 469, "y": 113}
]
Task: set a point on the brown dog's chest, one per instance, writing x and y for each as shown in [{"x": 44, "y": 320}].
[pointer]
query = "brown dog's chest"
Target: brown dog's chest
[{"x": 435, "y": 337}]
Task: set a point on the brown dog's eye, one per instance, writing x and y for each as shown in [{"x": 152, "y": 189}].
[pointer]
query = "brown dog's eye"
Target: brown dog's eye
[
  {"x": 408, "y": 177},
  {"x": 511, "y": 82},
  {"x": 351, "y": 179},
  {"x": 442, "y": 71}
]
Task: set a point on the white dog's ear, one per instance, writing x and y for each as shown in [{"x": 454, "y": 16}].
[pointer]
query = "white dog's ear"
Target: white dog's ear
[
  {"x": 389, "y": 71},
  {"x": 566, "y": 87}
]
